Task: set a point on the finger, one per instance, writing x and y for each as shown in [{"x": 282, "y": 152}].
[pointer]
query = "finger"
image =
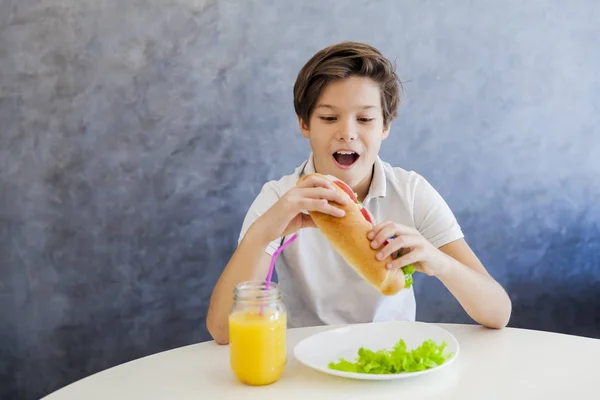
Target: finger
[
  {"x": 401, "y": 242},
  {"x": 383, "y": 235},
  {"x": 323, "y": 193},
  {"x": 413, "y": 257},
  {"x": 316, "y": 181},
  {"x": 321, "y": 205},
  {"x": 399, "y": 230},
  {"x": 377, "y": 228}
]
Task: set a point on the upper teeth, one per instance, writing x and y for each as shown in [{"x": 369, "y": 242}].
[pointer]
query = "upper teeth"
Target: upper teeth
[{"x": 346, "y": 152}]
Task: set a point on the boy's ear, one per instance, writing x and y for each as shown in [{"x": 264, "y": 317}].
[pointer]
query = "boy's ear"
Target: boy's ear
[
  {"x": 303, "y": 127},
  {"x": 386, "y": 131}
]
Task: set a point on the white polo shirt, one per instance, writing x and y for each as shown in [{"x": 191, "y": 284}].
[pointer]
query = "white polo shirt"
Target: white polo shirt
[{"x": 318, "y": 286}]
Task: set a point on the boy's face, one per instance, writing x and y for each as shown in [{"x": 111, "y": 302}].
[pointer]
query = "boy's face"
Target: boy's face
[{"x": 346, "y": 129}]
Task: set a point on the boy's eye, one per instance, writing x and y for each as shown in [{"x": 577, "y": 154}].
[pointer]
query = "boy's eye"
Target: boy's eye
[
  {"x": 328, "y": 119},
  {"x": 331, "y": 119}
]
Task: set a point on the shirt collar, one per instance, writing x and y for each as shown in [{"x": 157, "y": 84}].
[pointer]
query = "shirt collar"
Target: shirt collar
[{"x": 378, "y": 183}]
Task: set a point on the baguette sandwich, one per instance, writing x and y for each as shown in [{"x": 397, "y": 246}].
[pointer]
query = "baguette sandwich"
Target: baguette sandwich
[{"x": 348, "y": 236}]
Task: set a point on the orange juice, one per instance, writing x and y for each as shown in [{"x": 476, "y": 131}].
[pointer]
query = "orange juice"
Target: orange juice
[{"x": 257, "y": 345}]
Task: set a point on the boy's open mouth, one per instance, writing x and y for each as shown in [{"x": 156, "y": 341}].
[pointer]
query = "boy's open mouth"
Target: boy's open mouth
[{"x": 345, "y": 158}]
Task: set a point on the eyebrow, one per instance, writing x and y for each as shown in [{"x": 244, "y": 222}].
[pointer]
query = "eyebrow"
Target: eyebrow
[{"x": 333, "y": 107}]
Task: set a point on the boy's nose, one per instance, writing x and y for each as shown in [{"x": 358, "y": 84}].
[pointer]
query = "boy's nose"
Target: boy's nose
[{"x": 347, "y": 131}]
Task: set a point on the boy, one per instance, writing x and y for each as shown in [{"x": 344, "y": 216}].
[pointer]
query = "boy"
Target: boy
[{"x": 345, "y": 98}]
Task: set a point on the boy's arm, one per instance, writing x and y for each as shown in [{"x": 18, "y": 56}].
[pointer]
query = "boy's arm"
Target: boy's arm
[
  {"x": 270, "y": 217},
  {"x": 437, "y": 247},
  {"x": 249, "y": 262},
  {"x": 484, "y": 299},
  {"x": 460, "y": 270}
]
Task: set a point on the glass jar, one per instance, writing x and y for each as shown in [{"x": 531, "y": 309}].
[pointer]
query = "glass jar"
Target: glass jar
[{"x": 257, "y": 333}]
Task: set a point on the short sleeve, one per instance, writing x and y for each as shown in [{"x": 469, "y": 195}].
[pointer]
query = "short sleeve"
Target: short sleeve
[
  {"x": 265, "y": 199},
  {"x": 433, "y": 217}
]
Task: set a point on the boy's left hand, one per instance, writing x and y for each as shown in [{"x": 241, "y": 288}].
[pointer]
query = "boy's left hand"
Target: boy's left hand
[{"x": 410, "y": 244}]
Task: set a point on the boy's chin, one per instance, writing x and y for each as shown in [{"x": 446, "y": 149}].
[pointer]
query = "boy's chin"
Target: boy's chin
[{"x": 352, "y": 176}]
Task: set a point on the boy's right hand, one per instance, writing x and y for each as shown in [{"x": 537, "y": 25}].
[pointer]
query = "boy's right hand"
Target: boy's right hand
[{"x": 285, "y": 216}]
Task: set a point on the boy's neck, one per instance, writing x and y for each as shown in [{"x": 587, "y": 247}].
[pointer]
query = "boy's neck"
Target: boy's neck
[{"x": 362, "y": 189}]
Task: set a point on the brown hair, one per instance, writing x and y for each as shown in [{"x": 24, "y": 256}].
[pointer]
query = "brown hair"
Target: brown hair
[{"x": 341, "y": 61}]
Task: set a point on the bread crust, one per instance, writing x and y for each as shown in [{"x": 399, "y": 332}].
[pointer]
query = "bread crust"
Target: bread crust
[{"x": 348, "y": 236}]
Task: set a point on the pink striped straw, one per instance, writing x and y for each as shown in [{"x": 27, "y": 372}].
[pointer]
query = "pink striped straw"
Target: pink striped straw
[
  {"x": 272, "y": 266},
  {"x": 279, "y": 250}
]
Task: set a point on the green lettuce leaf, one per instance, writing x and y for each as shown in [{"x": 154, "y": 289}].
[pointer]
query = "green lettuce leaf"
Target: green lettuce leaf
[
  {"x": 397, "y": 360},
  {"x": 408, "y": 270}
]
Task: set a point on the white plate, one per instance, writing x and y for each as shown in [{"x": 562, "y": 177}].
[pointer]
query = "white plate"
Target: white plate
[{"x": 318, "y": 350}]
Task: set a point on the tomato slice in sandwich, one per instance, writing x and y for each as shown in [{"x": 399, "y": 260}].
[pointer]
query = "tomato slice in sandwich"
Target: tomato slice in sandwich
[
  {"x": 342, "y": 185},
  {"x": 346, "y": 188},
  {"x": 366, "y": 214}
]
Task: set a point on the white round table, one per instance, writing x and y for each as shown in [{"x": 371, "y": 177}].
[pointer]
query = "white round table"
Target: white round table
[{"x": 492, "y": 364}]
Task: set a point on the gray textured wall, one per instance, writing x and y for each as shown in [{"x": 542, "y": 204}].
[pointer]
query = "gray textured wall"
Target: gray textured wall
[{"x": 133, "y": 135}]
